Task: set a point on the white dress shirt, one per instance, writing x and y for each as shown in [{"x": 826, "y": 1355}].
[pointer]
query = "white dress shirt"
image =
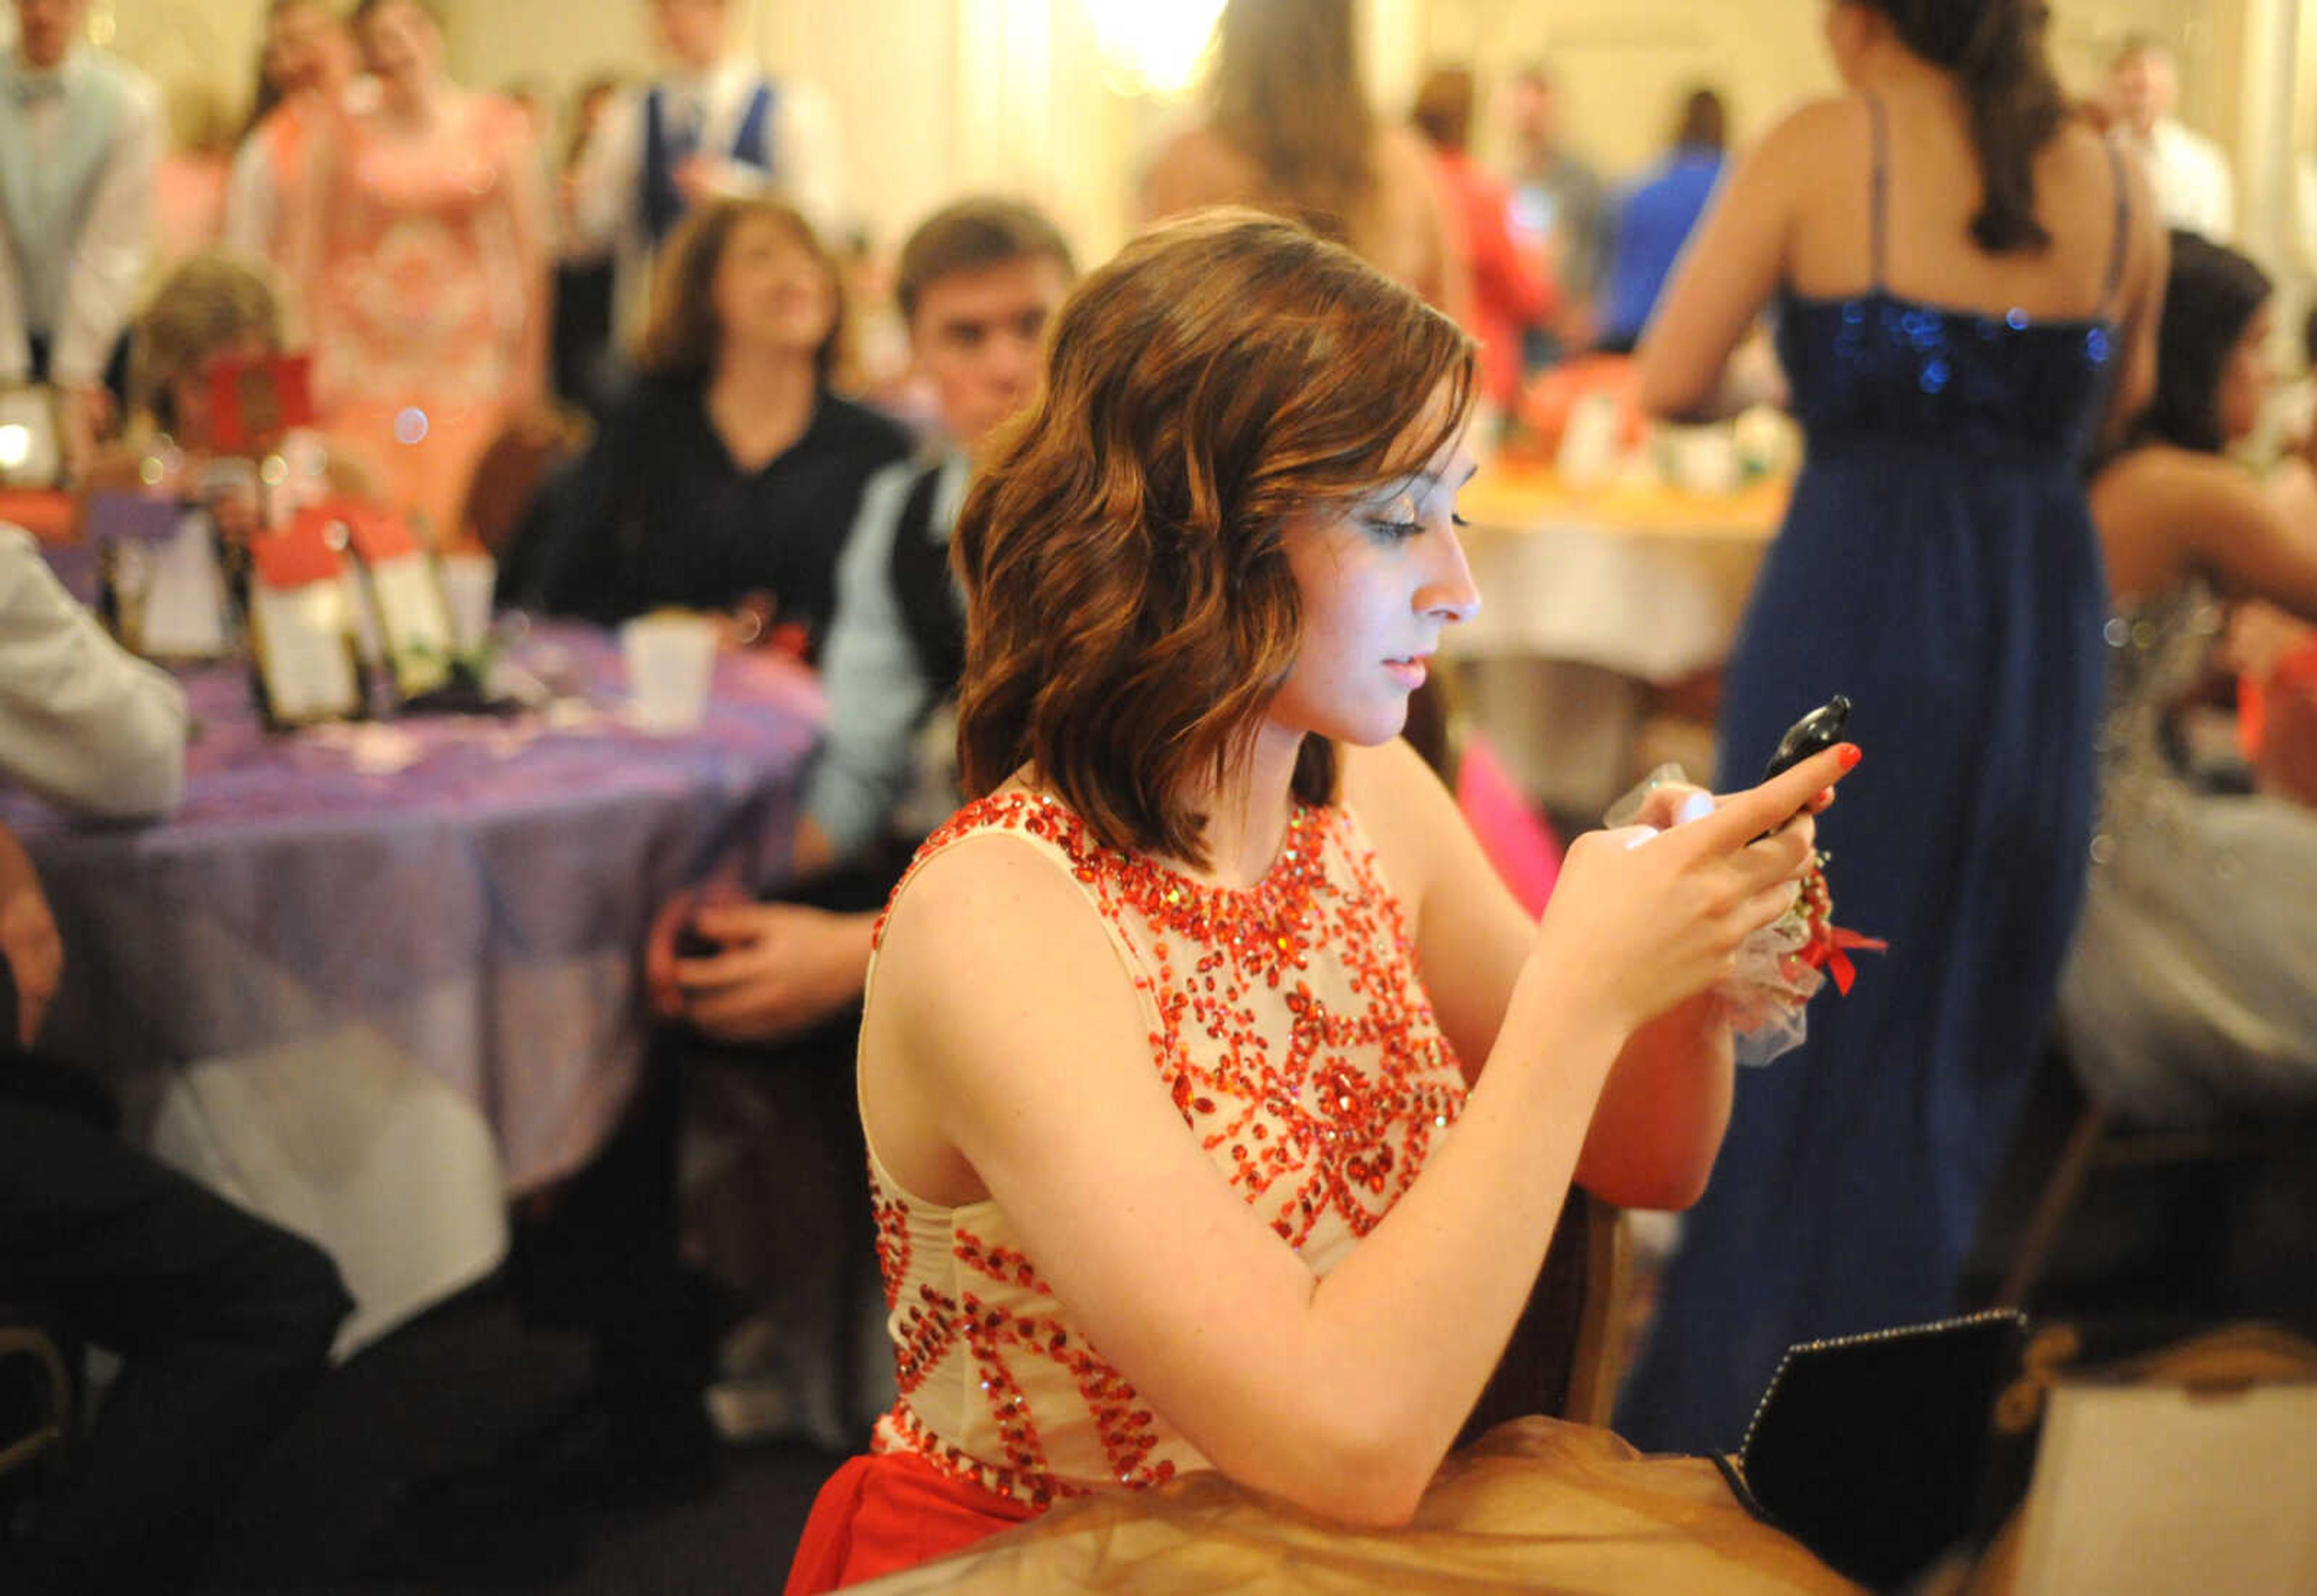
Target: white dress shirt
[
  {"x": 2190, "y": 176},
  {"x": 76, "y": 280},
  {"x": 83, "y": 723},
  {"x": 807, "y": 168}
]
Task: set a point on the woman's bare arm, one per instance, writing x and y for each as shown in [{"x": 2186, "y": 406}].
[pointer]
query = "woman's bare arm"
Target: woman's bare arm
[{"x": 1028, "y": 1052}]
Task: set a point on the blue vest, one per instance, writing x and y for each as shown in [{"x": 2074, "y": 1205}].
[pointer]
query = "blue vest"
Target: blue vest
[{"x": 665, "y": 148}]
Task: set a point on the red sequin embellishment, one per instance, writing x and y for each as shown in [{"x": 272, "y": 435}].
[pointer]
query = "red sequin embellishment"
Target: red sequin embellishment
[{"x": 1296, "y": 1041}]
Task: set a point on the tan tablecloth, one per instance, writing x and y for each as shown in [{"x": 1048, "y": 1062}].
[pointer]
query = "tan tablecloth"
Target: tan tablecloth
[{"x": 1537, "y": 1505}]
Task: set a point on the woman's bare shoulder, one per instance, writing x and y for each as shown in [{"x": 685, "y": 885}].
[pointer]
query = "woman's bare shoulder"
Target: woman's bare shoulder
[
  {"x": 1194, "y": 166},
  {"x": 1814, "y": 129},
  {"x": 2156, "y": 507},
  {"x": 966, "y": 876},
  {"x": 2155, "y": 477},
  {"x": 979, "y": 903},
  {"x": 1400, "y": 154}
]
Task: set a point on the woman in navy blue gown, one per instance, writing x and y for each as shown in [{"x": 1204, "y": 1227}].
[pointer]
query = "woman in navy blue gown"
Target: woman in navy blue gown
[{"x": 1965, "y": 280}]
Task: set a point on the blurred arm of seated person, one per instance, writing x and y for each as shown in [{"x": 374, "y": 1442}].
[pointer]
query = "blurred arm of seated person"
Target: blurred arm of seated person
[
  {"x": 29, "y": 947},
  {"x": 778, "y": 969},
  {"x": 83, "y": 723},
  {"x": 2279, "y": 651}
]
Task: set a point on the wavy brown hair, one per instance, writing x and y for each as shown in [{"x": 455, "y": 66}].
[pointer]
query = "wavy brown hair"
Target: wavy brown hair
[
  {"x": 682, "y": 332},
  {"x": 206, "y": 302},
  {"x": 1130, "y": 608},
  {"x": 1285, "y": 91}
]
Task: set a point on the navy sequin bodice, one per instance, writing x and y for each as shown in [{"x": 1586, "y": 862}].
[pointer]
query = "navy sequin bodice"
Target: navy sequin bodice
[{"x": 1872, "y": 365}]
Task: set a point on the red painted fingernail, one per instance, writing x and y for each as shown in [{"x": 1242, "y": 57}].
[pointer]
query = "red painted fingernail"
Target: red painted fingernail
[{"x": 1847, "y": 754}]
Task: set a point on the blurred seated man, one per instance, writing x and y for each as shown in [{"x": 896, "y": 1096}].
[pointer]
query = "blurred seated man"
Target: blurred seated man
[
  {"x": 780, "y": 982},
  {"x": 223, "y": 1323},
  {"x": 83, "y": 723}
]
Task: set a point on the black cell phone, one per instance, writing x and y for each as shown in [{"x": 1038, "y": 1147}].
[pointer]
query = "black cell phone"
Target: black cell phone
[
  {"x": 1814, "y": 733},
  {"x": 690, "y": 944}
]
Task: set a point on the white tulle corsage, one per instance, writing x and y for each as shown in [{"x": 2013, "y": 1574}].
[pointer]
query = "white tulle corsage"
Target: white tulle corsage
[{"x": 1780, "y": 967}]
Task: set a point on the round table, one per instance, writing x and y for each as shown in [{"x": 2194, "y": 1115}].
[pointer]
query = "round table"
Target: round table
[{"x": 373, "y": 981}]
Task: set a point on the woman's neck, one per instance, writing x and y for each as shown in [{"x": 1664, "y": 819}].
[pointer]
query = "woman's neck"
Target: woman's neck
[
  {"x": 760, "y": 402},
  {"x": 1247, "y": 812},
  {"x": 412, "y": 101}
]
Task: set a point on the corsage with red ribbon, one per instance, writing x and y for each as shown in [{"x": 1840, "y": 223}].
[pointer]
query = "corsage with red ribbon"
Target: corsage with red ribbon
[{"x": 1782, "y": 966}]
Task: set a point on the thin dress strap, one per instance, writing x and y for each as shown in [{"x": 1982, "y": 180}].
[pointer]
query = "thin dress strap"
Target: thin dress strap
[
  {"x": 1875, "y": 201},
  {"x": 2123, "y": 233}
]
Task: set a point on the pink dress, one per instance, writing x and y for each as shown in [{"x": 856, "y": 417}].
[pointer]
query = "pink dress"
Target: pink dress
[{"x": 429, "y": 282}]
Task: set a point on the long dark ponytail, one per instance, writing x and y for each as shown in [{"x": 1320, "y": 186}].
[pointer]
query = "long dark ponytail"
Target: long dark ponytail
[{"x": 1995, "y": 50}]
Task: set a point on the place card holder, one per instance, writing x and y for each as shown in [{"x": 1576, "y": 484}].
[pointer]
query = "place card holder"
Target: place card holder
[
  {"x": 161, "y": 587},
  {"x": 256, "y": 400},
  {"x": 305, "y": 665},
  {"x": 31, "y": 455},
  {"x": 402, "y": 619}
]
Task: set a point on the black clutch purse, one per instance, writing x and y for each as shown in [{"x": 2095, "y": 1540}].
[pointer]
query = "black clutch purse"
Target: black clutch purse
[{"x": 1872, "y": 1450}]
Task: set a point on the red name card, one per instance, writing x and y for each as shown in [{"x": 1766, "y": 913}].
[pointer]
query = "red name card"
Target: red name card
[
  {"x": 377, "y": 535},
  {"x": 309, "y": 550},
  {"x": 253, "y": 401}
]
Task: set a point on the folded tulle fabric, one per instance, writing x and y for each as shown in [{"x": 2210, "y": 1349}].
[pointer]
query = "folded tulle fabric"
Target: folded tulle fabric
[{"x": 1534, "y": 1506}]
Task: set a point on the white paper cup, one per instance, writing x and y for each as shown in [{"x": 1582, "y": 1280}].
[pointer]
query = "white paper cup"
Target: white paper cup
[
  {"x": 670, "y": 660},
  {"x": 1701, "y": 458},
  {"x": 467, "y": 580}
]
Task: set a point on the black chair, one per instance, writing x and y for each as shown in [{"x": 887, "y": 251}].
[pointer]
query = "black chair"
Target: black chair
[
  {"x": 1560, "y": 1361},
  {"x": 2079, "y": 1180}
]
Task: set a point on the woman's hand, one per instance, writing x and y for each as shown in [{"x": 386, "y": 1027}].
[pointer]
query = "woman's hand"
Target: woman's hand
[{"x": 1649, "y": 915}]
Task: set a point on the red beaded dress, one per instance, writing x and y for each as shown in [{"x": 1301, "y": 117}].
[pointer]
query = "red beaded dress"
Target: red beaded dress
[{"x": 1289, "y": 1024}]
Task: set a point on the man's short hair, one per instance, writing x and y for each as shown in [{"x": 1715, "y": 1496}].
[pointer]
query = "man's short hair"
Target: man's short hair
[{"x": 973, "y": 235}]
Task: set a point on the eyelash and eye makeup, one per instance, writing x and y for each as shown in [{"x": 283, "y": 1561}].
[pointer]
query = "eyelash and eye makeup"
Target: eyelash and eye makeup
[{"x": 1401, "y": 531}]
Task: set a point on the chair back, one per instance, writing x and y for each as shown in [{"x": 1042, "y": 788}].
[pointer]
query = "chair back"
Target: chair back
[
  {"x": 36, "y": 1404},
  {"x": 1560, "y": 1361}
]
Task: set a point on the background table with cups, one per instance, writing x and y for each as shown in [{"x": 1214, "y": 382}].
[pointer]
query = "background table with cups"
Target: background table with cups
[
  {"x": 1594, "y": 600},
  {"x": 374, "y": 979}
]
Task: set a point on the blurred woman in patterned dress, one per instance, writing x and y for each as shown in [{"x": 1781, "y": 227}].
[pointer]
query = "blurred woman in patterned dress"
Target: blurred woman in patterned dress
[{"x": 428, "y": 298}]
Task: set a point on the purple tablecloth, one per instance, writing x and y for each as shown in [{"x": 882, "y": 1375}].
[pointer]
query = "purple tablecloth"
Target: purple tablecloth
[{"x": 481, "y": 907}]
